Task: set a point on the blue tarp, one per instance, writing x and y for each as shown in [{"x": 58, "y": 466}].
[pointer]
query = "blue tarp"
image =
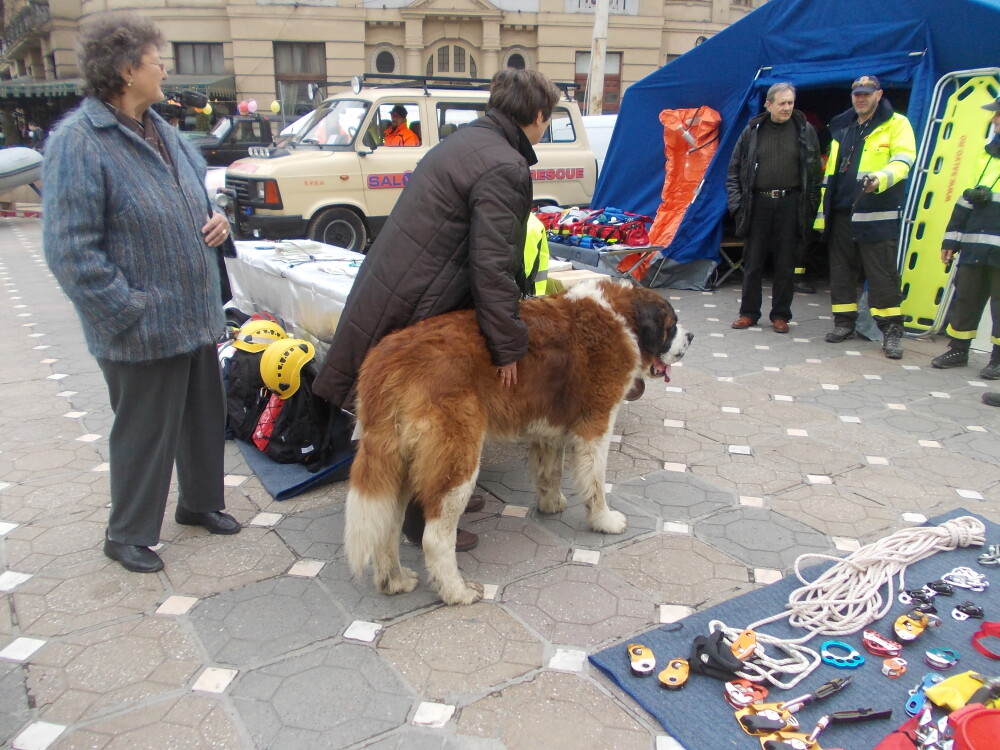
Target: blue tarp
[{"x": 812, "y": 43}]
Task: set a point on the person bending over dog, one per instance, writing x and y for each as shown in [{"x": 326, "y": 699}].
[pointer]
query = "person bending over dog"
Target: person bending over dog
[{"x": 454, "y": 240}]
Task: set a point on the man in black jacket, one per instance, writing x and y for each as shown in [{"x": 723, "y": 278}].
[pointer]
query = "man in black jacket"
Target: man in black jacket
[
  {"x": 773, "y": 188},
  {"x": 454, "y": 240}
]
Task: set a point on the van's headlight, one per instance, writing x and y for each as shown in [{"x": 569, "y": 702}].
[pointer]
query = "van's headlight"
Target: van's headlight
[{"x": 265, "y": 194}]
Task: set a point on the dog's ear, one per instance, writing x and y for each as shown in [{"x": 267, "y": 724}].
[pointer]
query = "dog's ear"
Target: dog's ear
[{"x": 649, "y": 325}]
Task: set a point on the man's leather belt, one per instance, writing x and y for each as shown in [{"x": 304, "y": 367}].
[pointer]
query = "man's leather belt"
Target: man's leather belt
[{"x": 777, "y": 193}]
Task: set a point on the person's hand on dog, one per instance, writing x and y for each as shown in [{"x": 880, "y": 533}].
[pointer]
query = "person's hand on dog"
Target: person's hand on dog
[{"x": 508, "y": 375}]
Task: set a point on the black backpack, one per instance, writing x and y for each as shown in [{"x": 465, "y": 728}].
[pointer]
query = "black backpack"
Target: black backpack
[{"x": 246, "y": 395}]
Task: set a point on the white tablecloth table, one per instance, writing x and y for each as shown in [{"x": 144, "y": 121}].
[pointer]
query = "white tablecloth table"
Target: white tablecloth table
[{"x": 306, "y": 283}]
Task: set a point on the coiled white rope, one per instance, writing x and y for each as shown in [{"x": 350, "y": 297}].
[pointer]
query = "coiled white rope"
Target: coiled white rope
[{"x": 848, "y": 596}]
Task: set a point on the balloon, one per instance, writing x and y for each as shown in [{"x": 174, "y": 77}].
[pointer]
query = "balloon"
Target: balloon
[
  {"x": 208, "y": 109},
  {"x": 252, "y": 105},
  {"x": 275, "y": 106},
  {"x": 242, "y": 107}
]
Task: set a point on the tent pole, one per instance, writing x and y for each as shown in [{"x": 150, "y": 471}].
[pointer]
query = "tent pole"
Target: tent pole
[{"x": 595, "y": 81}]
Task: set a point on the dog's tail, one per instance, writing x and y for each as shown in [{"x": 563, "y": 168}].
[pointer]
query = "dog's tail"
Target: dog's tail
[{"x": 375, "y": 504}]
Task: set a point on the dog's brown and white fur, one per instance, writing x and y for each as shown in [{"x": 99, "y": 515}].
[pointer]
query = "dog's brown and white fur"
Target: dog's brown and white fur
[{"x": 429, "y": 395}]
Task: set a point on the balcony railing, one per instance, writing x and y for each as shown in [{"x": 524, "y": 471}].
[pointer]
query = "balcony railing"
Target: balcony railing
[{"x": 25, "y": 22}]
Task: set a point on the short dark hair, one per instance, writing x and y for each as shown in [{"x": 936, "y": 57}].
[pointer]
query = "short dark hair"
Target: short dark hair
[
  {"x": 108, "y": 43},
  {"x": 400, "y": 110},
  {"x": 522, "y": 94}
]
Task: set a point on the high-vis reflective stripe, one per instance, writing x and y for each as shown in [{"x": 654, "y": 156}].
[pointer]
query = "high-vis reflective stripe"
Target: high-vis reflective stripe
[
  {"x": 799, "y": 271},
  {"x": 886, "y": 312},
  {"x": 960, "y": 335},
  {"x": 907, "y": 159},
  {"x": 853, "y": 307},
  {"x": 876, "y": 215},
  {"x": 979, "y": 239}
]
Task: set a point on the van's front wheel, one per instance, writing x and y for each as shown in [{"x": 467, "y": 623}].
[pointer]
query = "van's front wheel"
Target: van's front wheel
[{"x": 341, "y": 227}]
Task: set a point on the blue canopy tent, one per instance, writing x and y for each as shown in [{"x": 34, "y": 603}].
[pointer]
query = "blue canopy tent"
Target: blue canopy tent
[{"x": 908, "y": 44}]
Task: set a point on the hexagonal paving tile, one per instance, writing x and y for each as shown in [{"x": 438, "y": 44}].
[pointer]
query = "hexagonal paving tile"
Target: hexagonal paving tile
[
  {"x": 744, "y": 475},
  {"x": 579, "y": 605},
  {"x": 836, "y": 511},
  {"x": 510, "y": 547},
  {"x": 363, "y": 602},
  {"x": 553, "y": 710},
  {"x": 208, "y": 564},
  {"x": 955, "y": 470},
  {"x": 455, "y": 650},
  {"x": 760, "y": 538},
  {"x": 14, "y": 708},
  {"x": 194, "y": 721},
  {"x": 90, "y": 594},
  {"x": 264, "y": 620},
  {"x": 56, "y": 542},
  {"x": 571, "y": 525},
  {"x": 679, "y": 569},
  {"x": 91, "y": 673},
  {"x": 897, "y": 489},
  {"x": 419, "y": 738},
  {"x": 805, "y": 454},
  {"x": 316, "y": 534},
  {"x": 673, "y": 495},
  {"x": 331, "y": 698}
]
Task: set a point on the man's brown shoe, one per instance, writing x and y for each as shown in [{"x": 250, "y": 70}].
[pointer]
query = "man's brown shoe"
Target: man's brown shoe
[
  {"x": 476, "y": 503},
  {"x": 780, "y": 326},
  {"x": 743, "y": 322},
  {"x": 465, "y": 541}
]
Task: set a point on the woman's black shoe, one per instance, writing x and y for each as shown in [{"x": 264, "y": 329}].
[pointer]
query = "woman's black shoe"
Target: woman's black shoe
[
  {"x": 132, "y": 557},
  {"x": 216, "y": 522}
]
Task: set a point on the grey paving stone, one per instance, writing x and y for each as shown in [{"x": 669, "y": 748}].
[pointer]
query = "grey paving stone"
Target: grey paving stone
[
  {"x": 331, "y": 698},
  {"x": 362, "y": 602},
  {"x": 579, "y": 605},
  {"x": 555, "y": 711},
  {"x": 509, "y": 548},
  {"x": 14, "y": 707},
  {"x": 316, "y": 534},
  {"x": 675, "y": 496},
  {"x": 453, "y": 651},
  {"x": 760, "y": 538},
  {"x": 262, "y": 621},
  {"x": 679, "y": 569}
]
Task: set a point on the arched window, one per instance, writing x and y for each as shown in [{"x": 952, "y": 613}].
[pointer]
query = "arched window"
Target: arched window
[
  {"x": 384, "y": 59},
  {"x": 516, "y": 61},
  {"x": 452, "y": 60},
  {"x": 385, "y": 62}
]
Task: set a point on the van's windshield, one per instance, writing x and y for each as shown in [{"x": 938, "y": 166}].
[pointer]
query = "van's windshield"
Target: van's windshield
[{"x": 336, "y": 123}]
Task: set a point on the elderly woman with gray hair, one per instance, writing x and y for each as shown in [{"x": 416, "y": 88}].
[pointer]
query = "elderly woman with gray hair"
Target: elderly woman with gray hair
[{"x": 130, "y": 235}]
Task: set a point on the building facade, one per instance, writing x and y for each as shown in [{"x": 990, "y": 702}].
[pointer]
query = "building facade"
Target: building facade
[{"x": 282, "y": 49}]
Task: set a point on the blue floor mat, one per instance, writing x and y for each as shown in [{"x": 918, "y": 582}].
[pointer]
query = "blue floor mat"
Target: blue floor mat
[
  {"x": 698, "y": 716},
  {"x": 284, "y": 481}
]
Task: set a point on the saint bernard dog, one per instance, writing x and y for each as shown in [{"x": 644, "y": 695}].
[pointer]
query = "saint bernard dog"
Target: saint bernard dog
[{"x": 429, "y": 395}]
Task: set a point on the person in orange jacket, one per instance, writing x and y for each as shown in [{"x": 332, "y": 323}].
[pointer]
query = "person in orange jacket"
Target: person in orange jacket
[{"x": 397, "y": 134}]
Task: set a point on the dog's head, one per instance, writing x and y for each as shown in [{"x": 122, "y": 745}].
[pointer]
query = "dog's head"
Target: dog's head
[{"x": 662, "y": 340}]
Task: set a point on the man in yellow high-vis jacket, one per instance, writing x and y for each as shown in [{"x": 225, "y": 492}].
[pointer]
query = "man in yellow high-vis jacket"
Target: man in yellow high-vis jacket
[{"x": 864, "y": 186}]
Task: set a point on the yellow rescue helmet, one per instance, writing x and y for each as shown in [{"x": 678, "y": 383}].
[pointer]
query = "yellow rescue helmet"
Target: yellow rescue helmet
[
  {"x": 281, "y": 365},
  {"x": 255, "y": 335}
]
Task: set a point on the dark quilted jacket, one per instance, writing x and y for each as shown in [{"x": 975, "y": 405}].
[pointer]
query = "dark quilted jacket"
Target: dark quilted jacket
[{"x": 454, "y": 240}]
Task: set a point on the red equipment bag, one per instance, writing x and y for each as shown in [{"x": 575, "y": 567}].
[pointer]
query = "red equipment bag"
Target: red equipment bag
[{"x": 265, "y": 424}]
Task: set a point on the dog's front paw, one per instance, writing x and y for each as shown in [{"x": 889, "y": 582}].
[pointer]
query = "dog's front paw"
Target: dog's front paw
[
  {"x": 549, "y": 506},
  {"x": 610, "y": 522},
  {"x": 469, "y": 593},
  {"x": 403, "y": 583}
]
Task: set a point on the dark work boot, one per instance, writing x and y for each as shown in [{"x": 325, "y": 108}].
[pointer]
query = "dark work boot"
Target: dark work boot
[
  {"x": 992, "y": 370},
  {"x": 840, "y": 334},
  {"x": 892, "y": 341},
  {"x": 956, "y": 356}
]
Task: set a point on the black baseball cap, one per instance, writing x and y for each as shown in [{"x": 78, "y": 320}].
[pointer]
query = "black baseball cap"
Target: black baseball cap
[
  {"x": 993, "y": 106},
  {"x": 399, "y": 109},
  {"x": 866, "y": 85}
]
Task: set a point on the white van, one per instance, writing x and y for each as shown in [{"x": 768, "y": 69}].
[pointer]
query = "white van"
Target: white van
[
  {"x": 336, "y": 181},
  {"x": 599, "y": 129}
]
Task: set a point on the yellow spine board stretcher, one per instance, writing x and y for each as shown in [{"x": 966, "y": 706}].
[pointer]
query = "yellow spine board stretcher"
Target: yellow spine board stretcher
[{"x": 955, "y": 144}]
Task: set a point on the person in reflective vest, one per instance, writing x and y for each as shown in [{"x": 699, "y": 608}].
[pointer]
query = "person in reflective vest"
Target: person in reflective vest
[
  {"x": 973, "y": 234},
  {"x": 864, "y": 185},
  {"x": 536, "y": 256}
]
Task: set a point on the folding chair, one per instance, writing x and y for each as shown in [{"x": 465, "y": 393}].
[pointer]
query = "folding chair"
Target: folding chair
[{"x": 727, "y": 250}]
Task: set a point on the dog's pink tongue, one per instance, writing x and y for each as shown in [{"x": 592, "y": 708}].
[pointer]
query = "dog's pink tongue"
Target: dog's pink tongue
[{"x": 666, "y": 374}]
